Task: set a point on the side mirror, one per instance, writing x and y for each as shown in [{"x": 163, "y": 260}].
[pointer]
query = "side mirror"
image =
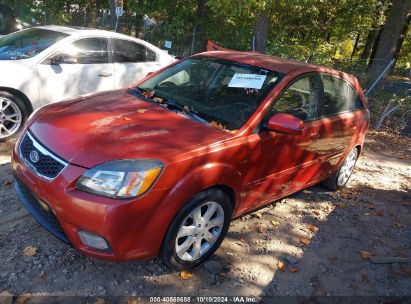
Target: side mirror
[
  {"x": 285, "y": 123},
  {"x": 63, "y": 59}
]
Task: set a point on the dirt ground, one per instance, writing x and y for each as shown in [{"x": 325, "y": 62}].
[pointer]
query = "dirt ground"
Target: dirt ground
[{"x": 357, "y": 242}]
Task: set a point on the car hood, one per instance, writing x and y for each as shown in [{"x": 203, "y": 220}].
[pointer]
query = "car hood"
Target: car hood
[{"x": 117, "y": 125}]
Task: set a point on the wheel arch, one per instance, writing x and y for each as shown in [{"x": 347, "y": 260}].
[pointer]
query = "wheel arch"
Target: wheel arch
[
  {"x": 227, "y": 191},
  {"x": 23, "y": 97},
  {"x": 359, "y": 149}
]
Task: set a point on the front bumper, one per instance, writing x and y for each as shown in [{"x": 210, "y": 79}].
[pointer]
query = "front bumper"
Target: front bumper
[
  {"x": 134, "y": 228},
  {"x": 40, "y": 211}
]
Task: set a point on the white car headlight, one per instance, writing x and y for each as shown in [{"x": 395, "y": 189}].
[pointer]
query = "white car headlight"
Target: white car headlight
[{"x": 121, "y": 179}]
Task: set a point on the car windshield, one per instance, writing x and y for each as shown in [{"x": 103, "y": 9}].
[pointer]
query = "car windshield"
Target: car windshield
[
  {"x": 28, "y": 43},
  {"x": 223, "y": 93}
]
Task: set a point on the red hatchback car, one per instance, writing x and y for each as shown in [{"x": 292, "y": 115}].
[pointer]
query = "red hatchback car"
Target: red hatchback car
[{"x": 163, "y": 167}]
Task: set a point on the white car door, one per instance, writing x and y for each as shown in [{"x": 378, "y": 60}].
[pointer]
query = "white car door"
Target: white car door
[
  {"x": 81, "y": 67},
  {"x": 132, "y": 61}
]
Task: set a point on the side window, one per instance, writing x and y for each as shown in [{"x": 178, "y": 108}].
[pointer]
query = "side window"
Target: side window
[
  {"x": 90, "y": 50},
  {"x": 299, "y": 99},
  {"x": 128, "y": 51},
  {"x": 338, "y": 96},
  {"x": 178, "y": 79}
]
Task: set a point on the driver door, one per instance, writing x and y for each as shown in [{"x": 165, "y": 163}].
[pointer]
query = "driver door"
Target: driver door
[
  {"x": 287, "y": 162},
  {"x": 84, "y": 68}
]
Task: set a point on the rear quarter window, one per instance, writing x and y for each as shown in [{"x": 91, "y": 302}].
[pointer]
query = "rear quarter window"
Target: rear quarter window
[{"x": 338, "y": 96}]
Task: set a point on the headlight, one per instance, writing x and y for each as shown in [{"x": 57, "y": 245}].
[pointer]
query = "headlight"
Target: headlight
[{"x": 121, "y": 179}]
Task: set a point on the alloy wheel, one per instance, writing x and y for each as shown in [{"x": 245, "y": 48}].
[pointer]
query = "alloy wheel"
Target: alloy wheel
[
  {"x": 347, "y": 168},
  {"x": 10, "y": 117},
  {"x": 199, "y": 231}
]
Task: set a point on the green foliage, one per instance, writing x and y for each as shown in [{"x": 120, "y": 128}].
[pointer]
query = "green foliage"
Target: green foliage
[{"x": 320, "y": 31}]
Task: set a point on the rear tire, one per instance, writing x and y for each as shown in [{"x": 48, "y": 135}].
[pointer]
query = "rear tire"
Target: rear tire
[
  {"x": 340, "y": 178},
  {"x": 197, "y": 230},
  {"x": 13, "y": 114}
]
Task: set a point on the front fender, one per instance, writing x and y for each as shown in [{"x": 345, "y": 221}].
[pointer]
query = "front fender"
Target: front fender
[{"x": 195, "y": 181}]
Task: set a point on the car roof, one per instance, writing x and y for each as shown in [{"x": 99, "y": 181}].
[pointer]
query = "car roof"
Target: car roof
[
  {"x": 266, "y": 61},
  {"x": 82, "y": 31}
]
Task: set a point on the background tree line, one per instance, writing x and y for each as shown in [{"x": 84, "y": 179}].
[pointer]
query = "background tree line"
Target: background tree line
[
  {"x": 356, "y": 36},
  {"x": 313, "y": 30}
]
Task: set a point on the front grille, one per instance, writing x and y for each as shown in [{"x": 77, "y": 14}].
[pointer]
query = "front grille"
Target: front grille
[
  {"x": 39, "y": 160},
  {"x": 43, "y": 214}
]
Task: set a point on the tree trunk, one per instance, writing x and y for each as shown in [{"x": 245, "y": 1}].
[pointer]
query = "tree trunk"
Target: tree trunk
[
  {"x": 402, "y": 37},
  {"x": 200, "y": 26},
  {"x": 374, "y": 47},
  {"x": 354, "y": 50},
  {"x": 261, "y": 28},
  {"x": 113, "y": 17},
  {"x": 390, "y": 35},
  {"x": 90, "y": 14},
  {"x": 372, "y": 34},
  {"x": 368, "y": 44}
]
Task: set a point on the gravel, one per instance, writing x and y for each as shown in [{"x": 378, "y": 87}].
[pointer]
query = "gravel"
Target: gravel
[{"x": 246, "y": 263}]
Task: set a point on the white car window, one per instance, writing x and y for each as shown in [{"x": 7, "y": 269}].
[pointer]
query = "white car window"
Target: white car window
[
  {"x": 128, "y": 51},
  {"x": 86, "y": 51}
]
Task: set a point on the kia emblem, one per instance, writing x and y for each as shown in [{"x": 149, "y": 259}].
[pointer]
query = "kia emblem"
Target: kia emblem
[{"x": 34, "y": 156}]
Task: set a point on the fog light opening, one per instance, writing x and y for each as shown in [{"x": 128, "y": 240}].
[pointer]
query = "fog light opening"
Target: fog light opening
[{"x": 92, "y": 240}]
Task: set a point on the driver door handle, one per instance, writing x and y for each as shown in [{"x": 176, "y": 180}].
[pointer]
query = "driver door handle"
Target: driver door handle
[{"x": 105, "y": 74}]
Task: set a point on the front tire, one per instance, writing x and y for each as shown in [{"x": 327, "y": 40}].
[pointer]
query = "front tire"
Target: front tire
[
  {"x": 197, "y": 230},
  {"x": 340, "y": 178},
  {"x": 13, "y": 114}
]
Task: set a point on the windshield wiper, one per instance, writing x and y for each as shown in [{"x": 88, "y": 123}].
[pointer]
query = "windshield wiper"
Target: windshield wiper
[
  {"x": 140, "y": 93},
  {"x": 180, "y": 108},
  {"x": 171, "y": 104}
]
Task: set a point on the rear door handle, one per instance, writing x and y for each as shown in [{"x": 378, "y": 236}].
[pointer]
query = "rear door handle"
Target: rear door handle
[{"x": 105, "y": 74}]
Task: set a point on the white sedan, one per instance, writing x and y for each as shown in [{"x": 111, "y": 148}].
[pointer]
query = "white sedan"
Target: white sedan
[{"x": 46, "y": 64}]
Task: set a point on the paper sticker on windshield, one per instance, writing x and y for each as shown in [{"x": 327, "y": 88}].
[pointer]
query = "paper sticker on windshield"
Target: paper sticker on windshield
[{"x": 248, "y": 81}]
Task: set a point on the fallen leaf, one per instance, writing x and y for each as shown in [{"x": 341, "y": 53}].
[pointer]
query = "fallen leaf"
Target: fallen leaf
[
  {"x": 313, "y": 228},
  {"x": 365, "y": 254},
  {"x": 398, "y": 225},
  {"x": 9, "y": 182},
  {"x": 316, "y": 212},
  {"x": 126, "y": 118},
  {"x": 30, "y": 251},
  {"x": 293, "y": 269},
  {"x": 305, "y": 241},
  {"x": 158, "y": 99},
  {"x": 260, "y": 229},
  {"x": 275, "y": 223},
  {"x": 371, "y": 206},
  {"x": 141, "y": 111},
  {"x": 100, "y": 301},
  {"x": 364, "y": 278},
  {"x": 186, "y": 275},
  {"x": 25, "y": 298},
  {"x": 258, "y": 215},
  {"x": 217, "y": 125},
  {"x": 380, "y": 213},
  {"x": 281, "y": 266}
]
